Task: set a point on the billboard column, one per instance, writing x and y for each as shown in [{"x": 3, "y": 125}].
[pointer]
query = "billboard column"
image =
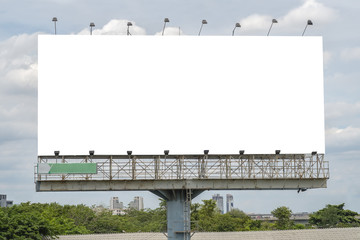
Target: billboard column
[{"x": 178, "y": 212}]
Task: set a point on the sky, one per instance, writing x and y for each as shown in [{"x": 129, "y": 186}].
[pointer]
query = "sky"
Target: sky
[{"x": 336, "y": 21}]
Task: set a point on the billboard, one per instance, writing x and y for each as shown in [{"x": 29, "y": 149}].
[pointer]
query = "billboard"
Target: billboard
[{"x": 185, "y": 94}]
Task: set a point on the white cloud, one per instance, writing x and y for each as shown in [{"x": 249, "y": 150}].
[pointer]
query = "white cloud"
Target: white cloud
[
  {"x": 256, "y": 22},
  {"x": 115, "y": 27},
  {"x": 341, "y": 110},
  {"x": 18, "y": 63},
  {"x": 327, "y": 56},
  {"x": 343, "y": 138},
  {"x": 311, "y": 9},
  {"x": 292, "y": 21},
  {"x": 350, "y": 54},
  {"x": 171, "y": 31}
]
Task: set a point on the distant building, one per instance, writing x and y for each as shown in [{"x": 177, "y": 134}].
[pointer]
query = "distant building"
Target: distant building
[
  {"x": 137, "y": 204},
  {"x": 115, "y": 204},
  {"x": 219, "y": 202},
  {"x": 4, "y": 202},
  {"x": 229, "y": 202},
  {"x": 118, "y": 212}
]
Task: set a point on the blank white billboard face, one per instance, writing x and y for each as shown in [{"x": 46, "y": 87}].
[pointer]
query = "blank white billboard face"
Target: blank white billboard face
[{"x": 184, "y": 94}]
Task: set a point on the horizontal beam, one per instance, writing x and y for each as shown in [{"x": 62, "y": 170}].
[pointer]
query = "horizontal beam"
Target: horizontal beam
[
  {"x": 175, "y": 156},
  {"x": 200, "y": 184}
]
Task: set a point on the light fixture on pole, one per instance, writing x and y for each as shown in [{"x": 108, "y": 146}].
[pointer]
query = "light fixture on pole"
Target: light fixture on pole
[
  {"x": 166, "y": 20},
  {"x": 128, "y": 26},
  {"x": 237, "y": 25},
  {"x": 202, "y": 24},
  {"x": 272, "y": 22},
  {"x": 91, "y": 27},
  {"x": 309, "y": 22},
  {"x": 91, "y": 152},
  {"x": 54, "y": 20}
]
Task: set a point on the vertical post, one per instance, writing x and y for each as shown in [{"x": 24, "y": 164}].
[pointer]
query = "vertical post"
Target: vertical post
[
  {"x": 111, "y": 159},
  {"x": 63, "y": 161},
  {"x": 156, "y": 166},
  {"x": 86, "y": 176},
  {"x": 133, "y": 168},
  {"x": 228, "y": 168}
]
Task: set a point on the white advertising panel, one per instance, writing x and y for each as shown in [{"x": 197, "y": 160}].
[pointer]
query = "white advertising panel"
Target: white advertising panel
[{"x": 180, "y": 93}]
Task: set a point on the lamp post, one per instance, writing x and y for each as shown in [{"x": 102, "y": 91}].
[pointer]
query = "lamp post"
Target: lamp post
[
  {"x": 54, "y": 20},
  {"x": 91, "y": 27},
  {"x": 237, "y": 25},
  {"x": 272, "y": 22},
  {"x": 309, "y": 22},
  {"x": 166, "y": 20},
  {"x": 202, "y": 24},
  {"x": 128, "y": 25}
]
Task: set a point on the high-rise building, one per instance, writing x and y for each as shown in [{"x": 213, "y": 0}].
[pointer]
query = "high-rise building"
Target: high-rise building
[
  {"x": 137, "y": 204},
  {"x": 115, "y": 204},
  {"x": 4, "y": 202},
  {"x": 229, "y": 202},
  {"x": 219, "y": 202}
]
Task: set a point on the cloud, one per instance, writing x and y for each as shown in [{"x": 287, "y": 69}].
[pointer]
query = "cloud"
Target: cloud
[
  {"x": 327, "y": 57},
  {"x": 115, "y": 27},
  {"x": 343, "y": 139},
  {"x": 349, "y": 54},
  {"x": 292, "y": 21},
  {"x": 341, "y": 110},
  {"x": 171, "y": 31},
  {"x": 311, "y": 9},
  {"x": 18, "y": 64}
]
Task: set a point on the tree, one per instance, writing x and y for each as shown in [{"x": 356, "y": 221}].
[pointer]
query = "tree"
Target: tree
[
  {"x": 283, "y": 215},
  {"x": 207, "y": 214},
  {"x": 334, "y": 216}
]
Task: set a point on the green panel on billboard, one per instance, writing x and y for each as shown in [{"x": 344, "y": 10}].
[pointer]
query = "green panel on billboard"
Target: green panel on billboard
[{"x": 69, "y": 168}]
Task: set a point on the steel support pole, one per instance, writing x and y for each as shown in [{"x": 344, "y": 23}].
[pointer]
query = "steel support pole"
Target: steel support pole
[
  {"x": 176, "y": 211},
  {"x": 178, "y": 204}
]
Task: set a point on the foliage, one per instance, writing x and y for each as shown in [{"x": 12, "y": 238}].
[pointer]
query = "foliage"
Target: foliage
[
  {"x": 334, "y": 216},
  {"x": 36, "y": 220},
  {"x": 283, "y": 215}
]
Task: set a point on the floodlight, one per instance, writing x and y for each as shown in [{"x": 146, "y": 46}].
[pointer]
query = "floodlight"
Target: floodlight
[
  {"x": 129, "y": 153},
  {"x": 91, "y": 152},
  {"x": 202, "y": 23},
  {"x": 237, "y": 25},
  {"x": 56, "y": 153},
  {"x": 314, "y": 153},
  {"x": 277, "y": 151},
  {"x": 309, "y": 22},
  {"x": 272, "y": 22},
  {"x": 166, "y": 20},
  {"x": 166, "y": 152},
  {"x": 206, "y": 152},
  {"x": 91, "y": 27},
  {"x": 54, "y": 20},
  {"x": 242, "y": 152},
  {"x": 128, "y": 25}
]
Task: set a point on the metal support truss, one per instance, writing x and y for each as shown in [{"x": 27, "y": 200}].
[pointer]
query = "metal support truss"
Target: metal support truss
[{"x": 251, "y": 171}]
